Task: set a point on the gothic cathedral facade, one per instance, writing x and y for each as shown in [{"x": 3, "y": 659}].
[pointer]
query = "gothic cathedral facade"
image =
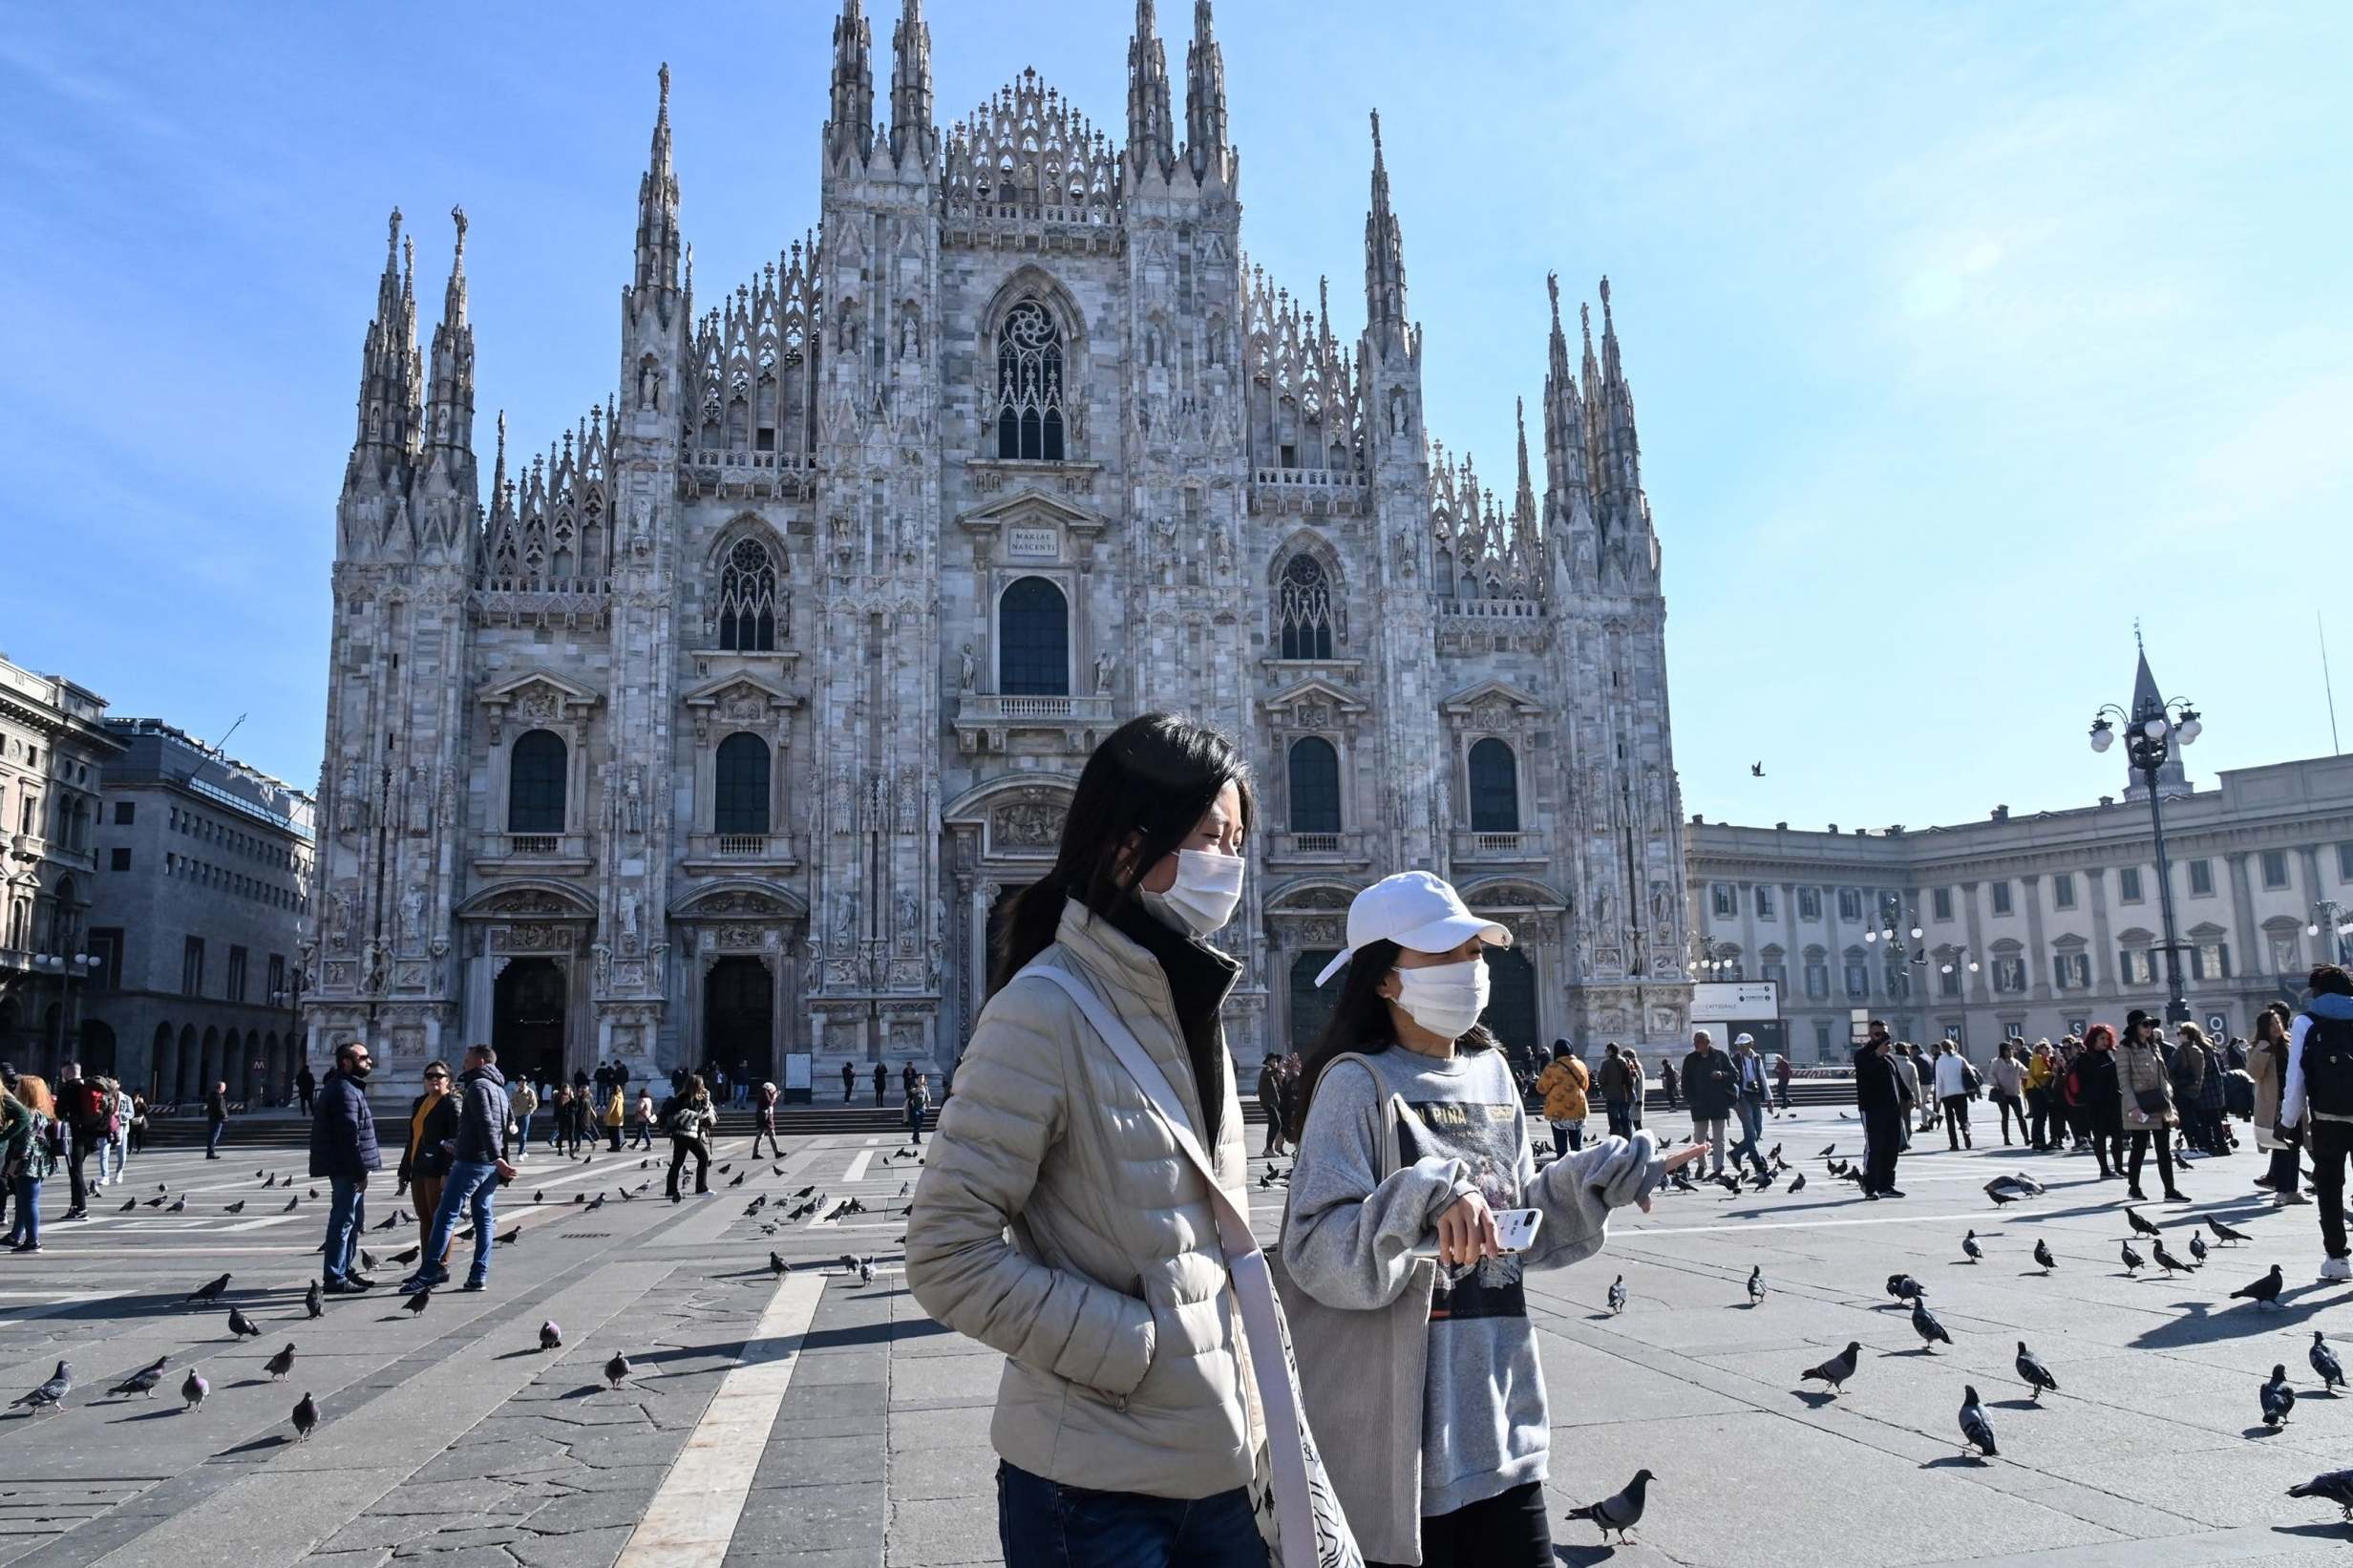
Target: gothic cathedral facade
[{"x": 723, "y": 729}]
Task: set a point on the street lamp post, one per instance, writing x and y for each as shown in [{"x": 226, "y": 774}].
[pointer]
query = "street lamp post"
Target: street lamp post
[{"x": 2149, "y": 731}]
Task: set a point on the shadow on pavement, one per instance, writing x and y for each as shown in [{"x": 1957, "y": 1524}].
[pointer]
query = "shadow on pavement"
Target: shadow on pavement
[{"x": 2207, "y": 1324}]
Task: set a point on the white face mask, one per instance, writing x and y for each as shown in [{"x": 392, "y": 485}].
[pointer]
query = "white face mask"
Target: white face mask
[
  {"x": 1445, "y": 998},
  {"x": 1208, "y": 887}
]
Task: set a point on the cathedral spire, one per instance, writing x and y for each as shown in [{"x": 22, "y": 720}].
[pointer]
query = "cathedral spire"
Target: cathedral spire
[
  {"x": 1385, "y": 256},
  {"x": 1621, "y": 464},
  {"x": 1204, "y": 96},
  {"x": 379, "y": 366},
  {"x": 849, "y": 128},
  {"x": 657, "y": 204},
  {"x": 1150, "y": 132},
  {"x": 450, "y": 421},
  {"x": 911, "y": 86},
  {"x": 410, "y": 365},
  {"x": 1523, "y": 498},
  {"x": 1567, "y": 503}
]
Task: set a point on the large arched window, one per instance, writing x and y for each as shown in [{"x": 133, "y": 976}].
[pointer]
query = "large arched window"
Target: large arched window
[
  {"x": 1033, "y": 641},
  {"x": 740, "y": 801},
  {"x": 1495, "y": 788},
  {"x": 1303, "y": 610},
  {"x": 1510, "y": 1014},
  {"x": 1315, "y": 786},
  {"x": 747, "y": 603},
  {"x": 1311, "y": 1006},
  {"x": 534, "y": 784},
  {"x": 1030, "y": 384}
]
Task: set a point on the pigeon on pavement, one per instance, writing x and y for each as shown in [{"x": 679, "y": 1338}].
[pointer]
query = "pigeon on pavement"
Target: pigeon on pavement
[
  {"x": 291, "y": 1204},
  {"x": 417, "y": 1302},
  {"x": 177, "y": 1205},
  {"x": 2324, "y": 1363},
  {"x": 616, "y": 1370},
  {"x": 2034, "y": 1373},
  {"x": 306, "y": 1417},
  {"x": 242, "y": 1326},
  {"x": 206, "y": 1293},
  {"x": 2172, "y": 1264},
  {"x": 2133, "y": 1261},
  {"x": 551, "y": 1337},
  {"x": 1838, "y": 1369},
  {"x": 2279, "y": 1399},
  {"x": 2223, "y": 1232},
  {"x": 776, "y": 1264},
  {"x": 2041, "y": 1255},
  {"x": 1756, "y": 1285},
  {"x": 128, "y": 1204},
  {"x": 2140, "y": 1226},
  {"x": 2263, "y": 1292},
  {"x": 1622, "y": 1511},
  {"x": 141, "y": 1382},
  {"x": 1924, "y": 1323},
  {"x": 2334, "y": 1486},
  {"x": 1617, "y": 1295},
  {"x": 238, "y": 1207},
  {"x": 1904, "y": 1288},
  {"x": 1976, "y": 1432},
  {"x": 1970, "y": 1250},
  {"x": 192, "y": 1391},
  {"x": 1797, "y": 1183},
  {"x": 2197, "y": 1247},
  {"x": 50, "y": 1395},
  {"x": 281, "y": 1363}
]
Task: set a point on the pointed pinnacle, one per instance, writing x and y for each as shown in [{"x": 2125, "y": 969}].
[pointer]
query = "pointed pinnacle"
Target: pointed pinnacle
[
  {"x": 1552, "y": 286},
  {"x": 664, "y": 77},
  {"x": 458, "y": 216}
]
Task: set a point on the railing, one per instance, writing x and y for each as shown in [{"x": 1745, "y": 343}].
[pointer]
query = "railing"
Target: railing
[
  {"x": 775, "y": 849},
  {"x": 739, "y": 457},
  {"x": 1316, "y": 846},
  {"x": 1319, "y": 478},
  {"x": 1316, "y": 843},
  {"x": 991, "y": 708},
  {"x": 532, "y": 843},
  {"x": 1498, "y": 846},
  {"x": 1494, "y": 610}
]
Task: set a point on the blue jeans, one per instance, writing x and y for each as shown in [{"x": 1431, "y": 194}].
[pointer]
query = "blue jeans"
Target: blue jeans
[
  {"x": 346, "y": 1216},
  {"x": 27, "y": 1230},
  {"x": 111, "y": 1150},
  {"x": 1751, "y": 1129},
  {"x": 471, "y": 1183},
  {"x": 642, "y": 1138},
  {"x": 212, "y": 1137},
  {"x": 1044, "y": 1524},
  {"x": 522, "y": 1133}
]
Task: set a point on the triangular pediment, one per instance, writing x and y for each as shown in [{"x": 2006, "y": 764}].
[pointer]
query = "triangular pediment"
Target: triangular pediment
[
  {"x": 539, "y": 683},
  {"x": 740, "y": 686},
  {"x": 1489, "y": 692},
  {"x": 1031, "y": 505},
  {"x": 1313, "y": 691}
]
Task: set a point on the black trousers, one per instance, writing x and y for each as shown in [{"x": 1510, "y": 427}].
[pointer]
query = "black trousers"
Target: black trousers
[
  {"x": 680, "y": 1149},
  {"x": 2165, "y": 1154},
  {"x": 1506, "y": 1531},
  {"x": 1882, "y": 1139},
  {"x": 2332, "y": 1142}
]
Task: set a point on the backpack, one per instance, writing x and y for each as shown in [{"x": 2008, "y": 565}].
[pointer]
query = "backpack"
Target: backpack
[
  {"x": 1970, "y": 1083},
  {"x": 2329, "y": 1066},
  {"x": 84, "y": 1105}
]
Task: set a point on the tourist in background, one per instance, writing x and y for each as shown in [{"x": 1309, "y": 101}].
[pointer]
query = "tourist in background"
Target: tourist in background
[
  {"x": 1562, "y": 1084},
  {"x": 1953, "y": 1078},
  {"x": 216, "y": 1118},
  {"x": 616, "y": 1111},
  {"x": 1711, "y": 1085},
  {"x": 2009, "y": 1075},
  {"x": 2318, "y": 1097},
  {"x": 642, "y": 1135},
  {"x": 918, "y": 1103},
  {"x": 306, "y": 1086},
  {"x": 1270, "y": 1101},
  {"x": 26, "y": 1160},
  {"x": 764, "y": 1120},
  {"x": 2040, "y": 1085},
  {"x": 2267, "y": 1063},
  {"x": 424, "y": 1157},
  {"x": 470, "y": 1184},
  {"x": 689, "y": 1117},
  {"x": 2146, "y": 1101},
  {"x": 2185, "y": 1071},
  {"x": 1616, "y": 1086},
  {"x": 343, "y": 1149},
  {"x": 1749, "y": 1069},
  {"x": 1878, "y": 1098},
  {"x": 138, "y": 1123},
  {"x": 1666, "y": 1081}
]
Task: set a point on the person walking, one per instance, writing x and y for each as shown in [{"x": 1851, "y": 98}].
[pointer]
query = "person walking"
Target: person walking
[
  {"x": 1564, "y": 1083},
  {"x": 2091, "y": 1089},
  {"x": 2267, "y": 1063},
  {"x": 26, "y": 1160},
  {"x": 642, "y": 1136},
  {"x": 1616, "y": 1084},
  {"x": 1369, "y": 1198},
  {"x": 2318, "y": 1098},
  {"x": 1270, "y": 1101},
  {"x": 475, "y": 1171},
  {"x": 1749, "y": 1103},
  {"x": 1666, "y": 1081},
  {"x": 849, "y": 1082},
  {"x": 1783, "y": 1073},
  {"x": 216, "y": 1118},
  {"x": 306, "y": 1086},
  {"x": 81, "y": 1117},
  {"x": 1951, "y": 1071},
  {"x": 139, "y": 1124},
  {"x": 114, "y": 1155},
  {"x": 524, "y": 1103},
  {"x": 919, "y": 1105},
  {"x": 881, "y": 1081},
  {"x": 1879, "y": 1100},
  {"x": 2146, "y": 1101},
  {"x": 687, "y": 1116},
  {"x": 424, "y": 1156},
  {"x": 616, "y": 1111},
  {"x": 560, "y": 1113},
  {"x": 2008, "y": 1074},
  {"x": 764, "y": 1120},
  {"x": 1635, "y": 1091},
  {"x": 1711, "y": 1085},
  {"x": 2185, "y": 1071},
  {"x": 1111, "y": 1160},
  {"x": 343, "y": 1149}
]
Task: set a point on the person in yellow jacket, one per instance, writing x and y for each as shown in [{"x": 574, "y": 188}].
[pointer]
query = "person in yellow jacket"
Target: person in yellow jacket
[
  {"x": 614, "y": 1114},
  {"x": 1564, "y": 1083},
  {"x": 2043, "y": 1108}
]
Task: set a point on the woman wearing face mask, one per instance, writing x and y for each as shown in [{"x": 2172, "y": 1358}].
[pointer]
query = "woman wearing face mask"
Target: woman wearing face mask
[
  {"x": 1416, "y": 1353},
  {"x": 1123, "y": 1431}
]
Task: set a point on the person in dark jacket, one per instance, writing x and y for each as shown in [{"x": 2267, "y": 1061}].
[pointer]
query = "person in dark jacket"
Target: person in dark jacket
[
  {"x": 343, "y": 1149},
  {"x": 216, "y": 1119},
  {"x": 687, "y": 1116},
  {"x": 307, "y": 1086},
  {"x": 424, "y": 1158},
  {"x": 763, "y": 1121},
  {"x": 1878, "y": 1095},
  {"x": 2096, "y": 1097},
  {"x": 1710, "y": 1085},
  {"x": 882, "y": 1082},
  {"x": 474, "y": 1171}
]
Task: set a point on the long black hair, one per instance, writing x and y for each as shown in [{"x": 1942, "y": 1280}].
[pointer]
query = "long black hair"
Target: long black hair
[
  {"x": 1154, "y": 776},
  {"x": 1361, "y": 1023}
]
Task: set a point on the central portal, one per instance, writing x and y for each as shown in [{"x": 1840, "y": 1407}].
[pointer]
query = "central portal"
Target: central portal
[
  {"x": 739, "y": 1019},
  {"x": 526, "y": 1021}
]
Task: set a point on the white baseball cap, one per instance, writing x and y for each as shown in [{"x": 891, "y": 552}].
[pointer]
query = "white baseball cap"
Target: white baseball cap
[
  {"x": 1744, "y": 1039},
  {"x": 1412, "y": 910}
]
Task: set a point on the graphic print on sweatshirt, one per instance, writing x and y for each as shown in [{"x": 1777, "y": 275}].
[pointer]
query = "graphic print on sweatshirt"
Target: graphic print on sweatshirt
[{"x": 1485, "y": 1139}]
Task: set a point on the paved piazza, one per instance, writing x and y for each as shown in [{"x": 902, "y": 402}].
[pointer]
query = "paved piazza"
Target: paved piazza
[{"x": 822, "y": 1421}]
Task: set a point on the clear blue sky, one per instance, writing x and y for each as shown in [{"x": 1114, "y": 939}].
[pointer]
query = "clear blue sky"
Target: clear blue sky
[{"x": 1960, "y": 337}]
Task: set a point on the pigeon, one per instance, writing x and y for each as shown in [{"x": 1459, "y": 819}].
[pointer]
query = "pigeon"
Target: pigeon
[
  {"x": 369, "y": 1260},
  {"x": 2167, "y": 1261},
  {"x": 2041, "y": 1255},
  {"x": 242, "y": 1326},
  {"x": 1621, "y": 1511},
  {"x": 177, "y": 1205},
  {"x": 155, "y": 1202},
  {"x": 391, "y": 1220},
  {"x": 192, "y": 1391},
  {"x": 2034, "y": 1373},
  {"x": 865, "y": 1271},
  {"x": 2279, "y": 1399},
  {"x": 2324, "y": 1363},
  {"x": 291, "y": 1204},
  {"x": 2017, "y": 1184},
  {"x": 2133, "y": 1261},
  {"x": 128, "y": 1204},
  {"x": 2334, "y": 1486},
  {"x": 272, "y": 1182},
  {"x": 539, "y": 1197},
  {"x": 580, "y": 1198},
  {"x": 50, "y": 1395},
  {"x": 1827, "y": 1150},
  {"x": 306, "y": 1417},
  {"x": 511, "y": 1237},
  {"x": 776, "y": 1265},
  {"x": 2001, "y": 1193},
  {"x": 1756, "y": 1285},
  {"x": 2263, "y": 1292},
  {"x": 1837, "y": 1167},
  {"x": 2198, "y": 1249},
  {"x": 411, "y": 1256},
  {"x": 1924, "y": 1323},
  {"x": 1838, "y": 1369},
  {"x": 238, "y": 1207},
  {"x": 1970, "y": 1250},
  {"x": 2140, "y": 1226},
  {"x": 755, "y": 1205},
  {"x": 728, "y": 1166},
  {"x": 2223, "y": 1232},
  {"x": 313, "y": 1300},
  {"x": 1797, "y": 1183},
  {"x": 551, "y": 1337},
  {"x": 597, "y": 1202},
  {"x": 1617, "y": 1295},
  {"x": 805, "y": 1192},
  {"x": 616, "y": 1370},
  {"x": 1976, "y": 1432},
  {"x": 1905, "y": 1288},
  {"x": 416, "y": 1304},
  {"x": 739, "y": 1178},
  {"x": 281, "y": 1363},
  {"x": 207, "y": 1293}
]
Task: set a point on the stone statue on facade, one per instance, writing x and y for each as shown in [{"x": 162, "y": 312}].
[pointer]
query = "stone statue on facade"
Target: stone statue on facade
[
  {"x": 1106, "y": 663},
  {"x": 970, "y": 668}
]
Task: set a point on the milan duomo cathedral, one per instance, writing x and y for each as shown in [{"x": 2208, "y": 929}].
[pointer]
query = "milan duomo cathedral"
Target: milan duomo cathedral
[{"x": 722, "y": 731}]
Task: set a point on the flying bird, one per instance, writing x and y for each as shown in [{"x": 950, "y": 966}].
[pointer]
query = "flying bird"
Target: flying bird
[
  {"x": 616, "y": 1370},
  {"x": 1976, "y": 1432},
  {"x": 2041, "y": 1255},
  {"x": 192, "y": 1391},
  {"x": 2334, "y": 1486},
  {"x": 2223, "y": 1232},
  {"x": 2009, "y": 1189},
  {"x": 1617, "y": 1295},
  {"x": 281, "y": 1363},
  {"x": 208, "y": 1292},
  {"x": 306, "y": 1417},
  {"x": 2324, "y": 1363},
  {"x": 242, "y": 1326},
  {"x": 2279, "y": 1399},
  {"x": 551, "y": 1337},
  {"x": 2140, "y": 1225},
  {"x": 2133, "y": 1261},
  {"x": 1756, "y": 770},
  {"x": 1924, "y": 1323},
  {"x": 1838, "y": 1369},
  {"x": 50, "y": 1395},
  {"x": 1622, "y": 1511},
  {"x": 2034, "y": 1373},
  {"x": 2263, "y": 1292},
  {"x": 1756, "y": 1285}
]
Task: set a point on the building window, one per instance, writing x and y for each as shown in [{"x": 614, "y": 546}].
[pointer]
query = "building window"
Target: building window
[
  {"x": 192, "y": 968},
  {"x": 1941, "y": 901},
  {"x": 2286, "y": 953},
  {"x": 2001, "y": 898},
  {"x": 277, "y": 979},
  {"x": 1763, "y": 902},
  {"x": 1033, "y": 640},
  {"x": 1821, "y": 1039},
  {"x": 1859, "y": 980},
  {"x": 1495, "y": 788},
  {"x": 747, "y": 605},
  {"x": 1809, "y": 904},
  {"x": 2274, "y": 868},
  {"x": 105, "y": 944},
  {"x": 118, "y": 859},
  {"x": 740, "y": 776},
  {"x": 534, "y": 784},
  {"x": 2009, "y": 974},
  {"x": 2071, "y": 971},
  {"x": 2209, "y": 961},
  {"x": 2138, "y": 966},
  {"x": 2345, "y": 861},
  {"x": 1777, "y": 973},
  {"x": 1818, "y": 980},
  {"x": 2129, "y": 884},
  {"x": 1030, "y": 384},
  {"x": 2201, "y": 877},
  {"x": 236, "y": 991},
  {"x": 1948, "y": 976},
  {"x": 1315, "y": 786},
  {"x": 2062, "y": 890},
  {"x": 125, "y": 811},
  {"x": 1303, "y": 617},
  {"x": 1723, "y": 900},
  {"x": 1849, "y": 904}
]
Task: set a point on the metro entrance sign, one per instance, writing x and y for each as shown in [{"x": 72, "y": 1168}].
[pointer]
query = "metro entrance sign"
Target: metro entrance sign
[{"x": 1734, "y": 1001}]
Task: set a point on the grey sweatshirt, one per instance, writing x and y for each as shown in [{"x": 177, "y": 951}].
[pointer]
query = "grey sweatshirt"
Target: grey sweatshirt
[{"x": 1348, "y": 1241}]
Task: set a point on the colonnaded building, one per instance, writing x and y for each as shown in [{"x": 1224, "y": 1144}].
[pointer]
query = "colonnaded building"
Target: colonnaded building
[{"x": 724, "y": 729}]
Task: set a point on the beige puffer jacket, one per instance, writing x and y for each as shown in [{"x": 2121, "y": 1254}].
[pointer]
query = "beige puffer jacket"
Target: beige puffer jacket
[{"x": 1124, "y": 1368}]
